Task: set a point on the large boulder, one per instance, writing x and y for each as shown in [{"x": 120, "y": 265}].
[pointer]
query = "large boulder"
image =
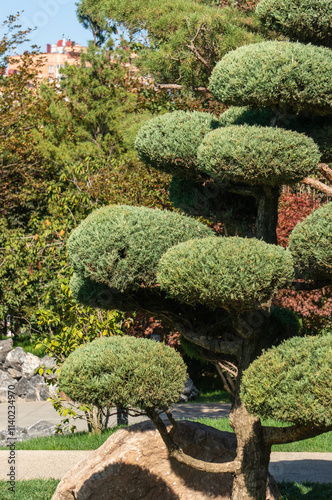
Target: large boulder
[
  {"x": 189, "y": 392},
  {"x": 15, "y": 359},
  {"x": 134, "y": 463}
]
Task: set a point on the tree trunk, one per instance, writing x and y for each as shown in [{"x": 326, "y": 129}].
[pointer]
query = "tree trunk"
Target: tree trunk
[
  {"x": 251, "y": 482},
  {"x": 267, "y": 215}
]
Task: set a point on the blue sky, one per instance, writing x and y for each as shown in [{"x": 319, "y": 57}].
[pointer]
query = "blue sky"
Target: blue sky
[{"x": 52, "y": 18}]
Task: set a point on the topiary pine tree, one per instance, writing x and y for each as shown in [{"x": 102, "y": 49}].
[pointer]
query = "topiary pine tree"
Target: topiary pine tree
[{"x": 217, "y": 290}]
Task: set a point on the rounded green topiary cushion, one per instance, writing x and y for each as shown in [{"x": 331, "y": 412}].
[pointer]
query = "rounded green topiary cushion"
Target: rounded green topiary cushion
[
  {"x": 276, "y": 74},
  {"x": 258, "y": 155},
  {"x": 301, "y": 20},
  {"x": 124, "y": 372},
  {"x": 120, "y": 246},
  {"x": 231, "y": 273},
  {"x": 310, "y": 243},
  {"x": 319, "y": 128},
  {"x": 292, "y": 382},
  {"x": 170, "y": 142}
]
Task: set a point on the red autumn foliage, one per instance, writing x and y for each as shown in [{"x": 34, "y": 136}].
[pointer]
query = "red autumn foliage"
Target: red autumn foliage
[
  {"x": 144, "y": 326},
  {"x": 315, "y": 307}
]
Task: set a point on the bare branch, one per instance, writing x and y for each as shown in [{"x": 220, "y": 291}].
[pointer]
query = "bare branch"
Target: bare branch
[
  {"x": 174, "y": 86},
  {"x": 283, "y": 435},
  {"x": 193, "y": 49},
  {"x": 325, "y": 170},
  {"x": 177, "y": 453},
  {"x": 318, "y": 185},
  {"x": 214, "y": 344}
]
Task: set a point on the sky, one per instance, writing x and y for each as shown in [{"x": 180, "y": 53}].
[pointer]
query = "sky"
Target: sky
[{"x": 52, "y": 19}]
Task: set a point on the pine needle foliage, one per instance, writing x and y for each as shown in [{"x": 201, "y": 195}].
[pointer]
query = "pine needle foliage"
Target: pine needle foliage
[
  {"x": 276, "y": 74},
  {"x": 311, "y": 244},
  {"x": 319, "y": 128},
  {"x": 120, "y": 246},
  {"x": 292, "y": 382},
  {"x": 232, "y": 273},
  {"x": 258, "y": 155},
  {"x": 300, "y": 20},
  {"x": 170, "y": 142},
  {"x": 124, "y": 372}
]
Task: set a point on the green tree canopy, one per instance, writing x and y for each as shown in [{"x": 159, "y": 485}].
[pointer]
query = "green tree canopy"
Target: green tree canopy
[
  {"x": 311, "y": 244},
  {"x": 291, "y": 383},
  {"x": 276, "y": 74},
  {"x": 232, "y": 273},
  {"x": 124, "y": 372},
  {"x": 300, "y": 20}
]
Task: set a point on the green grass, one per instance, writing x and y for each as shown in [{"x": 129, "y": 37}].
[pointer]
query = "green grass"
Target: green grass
[
  {"x": 34, "y": 489},
  {"x": 217, "y": 396},
  {"x": 75, "y": 441},
  {"x": 322, "y": 443},
  {"x": 43, "y": 489},
  {"x": 28, "y": 346},
  {"x": 84, "y": 441}
]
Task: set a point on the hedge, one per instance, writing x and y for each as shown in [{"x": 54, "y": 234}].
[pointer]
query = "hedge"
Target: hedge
[
  {"x": 170, "y": 142},
  {"x": 232, "y": 273},
  {"x": 292, "y": 382},
  {"x": 120, "y": 246},
  {"x": 310, "y": 243},
  {"x": 276, "y": 74},
  {"x": 124, "y": 372},
  {"x": 258, "y": 155},
  {"x": 301, "y": 20}
]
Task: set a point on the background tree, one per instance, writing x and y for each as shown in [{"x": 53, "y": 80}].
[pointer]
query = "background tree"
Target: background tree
[{"x": 218, "y": 291}]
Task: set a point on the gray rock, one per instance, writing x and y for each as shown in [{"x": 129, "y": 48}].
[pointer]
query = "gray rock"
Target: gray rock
[
  {"x": 41, "y": 429},
  {"x": 20, "y": 435},
  {"x": 5, "y": 381},
  {"x": 15, "y": 359},
  {"x": 48, "y": 362},
  {"x": 5, "y": 347},
  {"x": 190, "y": 392},
  {"x": 14, "y": 373},
  {"x": 30, "y": 364},
  {"x": 33, "y": 389}
]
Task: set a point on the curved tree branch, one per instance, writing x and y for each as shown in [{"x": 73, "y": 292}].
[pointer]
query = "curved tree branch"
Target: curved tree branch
[
  {"x": 214, "y": 344},
  {"x": 318, "y": 185},
  {"x": 283, "y": 435},
  {"x": 325, "y": 170},
  {"x": 176, "y": 452}
]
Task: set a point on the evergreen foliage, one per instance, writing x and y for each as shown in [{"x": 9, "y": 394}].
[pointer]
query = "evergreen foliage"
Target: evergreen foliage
[
  {"x": 292, "y": 382},
  {"x": 276, "y": 74},
  {"x": 119, "y": 246},
  {"x": 258, "y": 155},
  {"x": 311, "y": 244},
  {"x": 124, "y": 372},
  {"x": 319, "y": 128},
  {"x": 300, "y": 20},
  {"x": 170, "y": 142},
  {"x": 232, "y": 273}
]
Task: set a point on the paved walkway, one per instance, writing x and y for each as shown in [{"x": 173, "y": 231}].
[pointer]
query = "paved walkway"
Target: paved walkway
[{"x": 300, "y": 467}]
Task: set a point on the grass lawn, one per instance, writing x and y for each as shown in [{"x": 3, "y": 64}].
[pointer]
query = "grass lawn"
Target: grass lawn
[
  {"x": 82, "y": 440},
  {"x": 39, "y": 489}
]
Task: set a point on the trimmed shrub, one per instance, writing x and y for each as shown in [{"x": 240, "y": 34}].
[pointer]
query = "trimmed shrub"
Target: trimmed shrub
[
  {"x": 124, "y": 372},
  {"x": 311, "y": 244},
  {"x": 319, "y": 128},
  {"x": 276, "y": 74},
  {"x": 120, "y": 246},
  {"x": 258, "y": 155},
  {"x": 231, "y": 273},
  {"x": 292, "y": 382},
  {"x": 170, "y": 142},
  {"x": 301, "y": 20}
]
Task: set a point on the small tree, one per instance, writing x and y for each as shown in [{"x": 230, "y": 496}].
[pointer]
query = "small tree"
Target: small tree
[
  {"x": 124, "y": 372},
  {"x": 216, "y": 290}
]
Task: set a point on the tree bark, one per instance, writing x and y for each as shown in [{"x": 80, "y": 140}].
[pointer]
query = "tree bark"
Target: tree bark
[
  {"x": 253, "y": 451},
  {"x": 267, "y": 215}
]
